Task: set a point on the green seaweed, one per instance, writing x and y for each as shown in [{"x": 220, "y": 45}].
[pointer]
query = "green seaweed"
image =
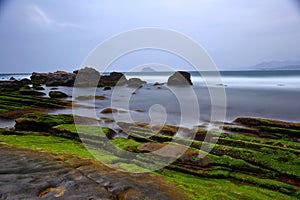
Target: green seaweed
[
  {"x": 126, "y": 144},
  {"x": 209, "y": 188}
]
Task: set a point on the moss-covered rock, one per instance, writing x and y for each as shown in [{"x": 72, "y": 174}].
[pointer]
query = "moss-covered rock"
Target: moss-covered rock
[
  {"x": 41, "y": 122},
  {"x": 26, "y": 91},
  {"x": 176, "y": 151},
  {"x": 38, "y": 87},
  {"x": 16, "y": 100},
  {"x": 127, "y": 144},
  {"x": 265, "y": 128},
  {"x": 57, "y": 94}
]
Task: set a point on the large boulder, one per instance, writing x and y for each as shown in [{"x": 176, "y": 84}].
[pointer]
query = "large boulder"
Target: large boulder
[
  {"x": 180, "y": 78},
  {"x": 135, "y": 83},
  {"x": 24, "y": 81},
  {"x": 113, "y": 79},
  {"x": 87, "y": 77}
]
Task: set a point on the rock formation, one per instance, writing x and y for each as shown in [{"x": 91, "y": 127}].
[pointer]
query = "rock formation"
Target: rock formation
[{"x": 180, "y": 78}]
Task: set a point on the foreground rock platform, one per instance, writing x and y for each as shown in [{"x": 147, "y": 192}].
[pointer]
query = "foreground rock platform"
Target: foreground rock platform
[{"x": 26, "y": 174}]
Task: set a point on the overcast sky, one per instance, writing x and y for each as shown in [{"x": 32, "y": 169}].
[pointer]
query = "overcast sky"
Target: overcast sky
[{"x": 53, "y": 34}]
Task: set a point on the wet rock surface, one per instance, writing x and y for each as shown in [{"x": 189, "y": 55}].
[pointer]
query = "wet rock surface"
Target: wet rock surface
[
  {"x": 26, "y": 174},
  {"x": 265, "y": 128}
]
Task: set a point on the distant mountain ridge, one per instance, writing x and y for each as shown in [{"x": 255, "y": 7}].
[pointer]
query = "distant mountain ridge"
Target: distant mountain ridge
[{"x": 277, "y": 65}]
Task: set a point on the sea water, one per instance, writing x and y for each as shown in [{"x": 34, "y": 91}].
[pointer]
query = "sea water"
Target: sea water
[{"x": 267, "y": 94}]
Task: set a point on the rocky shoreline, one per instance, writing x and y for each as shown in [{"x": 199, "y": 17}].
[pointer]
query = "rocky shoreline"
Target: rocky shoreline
[
  {"x": 252, "y": 155},
  {"x": 49, "y": 176},
  {"x": 267, "y": 159}
]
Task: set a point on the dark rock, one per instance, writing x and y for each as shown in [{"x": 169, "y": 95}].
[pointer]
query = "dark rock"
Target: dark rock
[
  {"x": 109, "y": 110},
  {"x": 180, "y": 78},
  {"x": 12, "y": 79},
  {"x": 135, "y": 83},
  {"x": 25, "y": 81},
  {"x": 114, "y": 79},
  {"x": 57, "y": 94},
  {"x": 157, "y": 84},
  {"x": 58, "y": 78},
  {"x": 107, "y": 88},
  {"x": 38, "y": 87},
  {"x": 110, "y": 134},
  {"x": 9, "y": 86},
  {"x": 107, "y": 120},
  {"x": 114, "y": 76}
]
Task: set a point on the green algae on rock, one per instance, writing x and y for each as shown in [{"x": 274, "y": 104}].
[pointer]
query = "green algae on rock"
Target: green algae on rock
[
  {"x": 57, "y": 94},
  {"x": 41, "y": 121},
  {"x": 242, "y": 160},
  {"x": 14, "y": 104}
]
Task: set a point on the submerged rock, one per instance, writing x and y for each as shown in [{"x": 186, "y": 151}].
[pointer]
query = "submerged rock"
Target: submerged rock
[
  {"x": 108, "y": 110},
  {"x": 38, "y": 87},
  {"x": 180, "y": 78},
  {"x": 106, "y": 88},
  {"x": 157, "y": 84},
  {"x": 57, "y": 94}
]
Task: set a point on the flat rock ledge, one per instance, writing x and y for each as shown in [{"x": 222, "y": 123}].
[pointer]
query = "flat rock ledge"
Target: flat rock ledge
[{"x": 28, "y": 174}]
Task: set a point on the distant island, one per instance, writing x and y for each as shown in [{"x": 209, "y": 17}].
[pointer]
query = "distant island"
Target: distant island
[
  {"x": 148, "y": 69},
  {"x": 277, "y": 65}
]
